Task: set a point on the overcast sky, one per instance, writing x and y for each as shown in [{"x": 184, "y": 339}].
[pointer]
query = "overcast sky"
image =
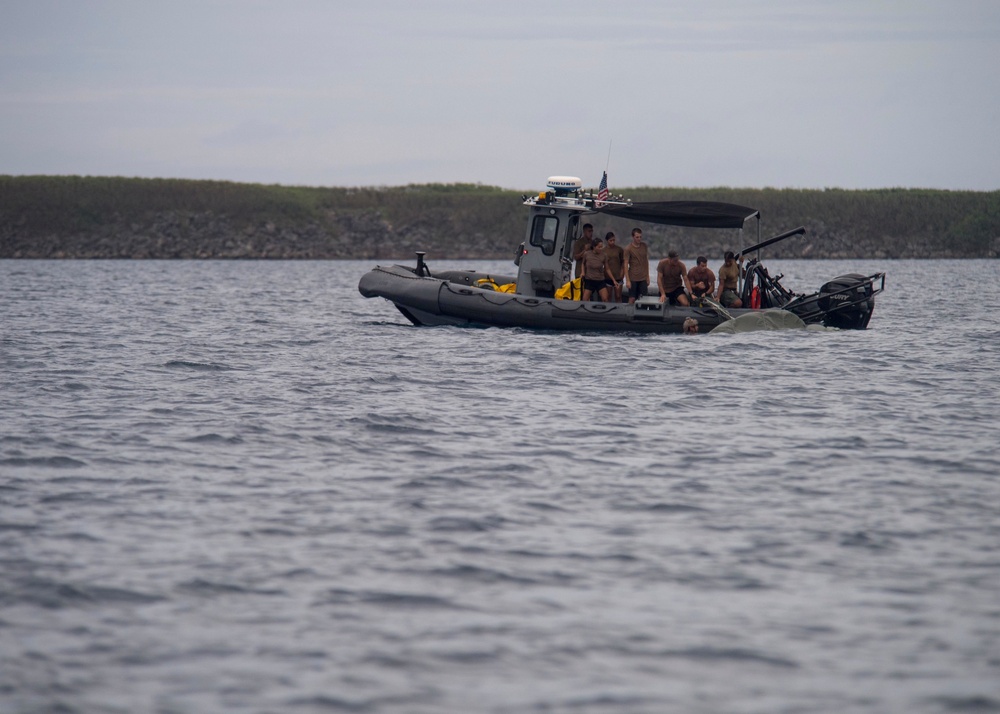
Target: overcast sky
[{"x": 782, "y": 93}]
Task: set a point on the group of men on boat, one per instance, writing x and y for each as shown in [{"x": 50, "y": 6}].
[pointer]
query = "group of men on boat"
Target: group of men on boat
[{"x": 603, "y": 267}]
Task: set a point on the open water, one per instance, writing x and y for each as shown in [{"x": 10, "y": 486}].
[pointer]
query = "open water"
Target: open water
[{"x": 242, "y": 487}]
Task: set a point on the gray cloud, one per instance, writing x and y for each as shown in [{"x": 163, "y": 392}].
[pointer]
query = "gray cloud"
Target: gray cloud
[{"x": 782, "y": 93}]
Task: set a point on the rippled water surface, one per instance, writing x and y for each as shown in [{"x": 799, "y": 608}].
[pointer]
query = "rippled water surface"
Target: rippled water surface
[{"x": 240, "y": 486}]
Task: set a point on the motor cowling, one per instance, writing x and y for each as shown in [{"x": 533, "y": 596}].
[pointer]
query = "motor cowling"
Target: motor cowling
[{"x": 847, "y": 302}]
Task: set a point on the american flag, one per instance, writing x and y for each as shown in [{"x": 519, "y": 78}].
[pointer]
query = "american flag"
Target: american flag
[{"x": 602, "y": 191}]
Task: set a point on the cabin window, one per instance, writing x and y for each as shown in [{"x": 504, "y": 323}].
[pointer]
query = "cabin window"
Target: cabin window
[{"x": 543, "y": 233}]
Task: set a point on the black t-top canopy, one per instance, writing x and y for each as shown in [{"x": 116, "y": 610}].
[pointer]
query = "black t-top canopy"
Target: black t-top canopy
[{"x": 693, "y": 214}]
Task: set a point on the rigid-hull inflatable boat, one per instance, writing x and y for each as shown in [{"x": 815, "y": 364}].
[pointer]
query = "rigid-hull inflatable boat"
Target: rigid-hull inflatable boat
[{"x": 544, "y": 261}]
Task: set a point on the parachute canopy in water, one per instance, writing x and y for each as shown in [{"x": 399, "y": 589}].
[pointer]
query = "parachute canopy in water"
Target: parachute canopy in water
[{"x": 763, "y": 320}]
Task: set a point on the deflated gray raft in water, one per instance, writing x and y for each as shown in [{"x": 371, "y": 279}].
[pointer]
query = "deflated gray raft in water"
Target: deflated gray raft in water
[{"x": 760, "y": 321}]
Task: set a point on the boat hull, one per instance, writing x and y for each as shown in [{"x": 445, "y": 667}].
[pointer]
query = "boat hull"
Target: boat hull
[{"x": 436, "y": 301}]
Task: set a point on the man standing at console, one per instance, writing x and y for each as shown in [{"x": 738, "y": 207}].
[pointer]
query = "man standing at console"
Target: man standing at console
[
  {"x": 581, "y": 246},
  {"x": 636, "y": 266}
]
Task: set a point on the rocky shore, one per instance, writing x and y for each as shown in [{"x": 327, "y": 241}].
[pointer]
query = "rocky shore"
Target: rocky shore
[
  {"x": 182, "y": 235},
  {"x": 206, "y": 235},
  {"x": 393, "y": 223}
]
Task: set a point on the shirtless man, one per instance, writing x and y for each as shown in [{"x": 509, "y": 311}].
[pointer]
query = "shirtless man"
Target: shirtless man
[
  {"x": 701, "y": 279},
  {"x": 672, "y": 279},
  {"x": 616, "y": 263},
  {"x": 636, "y": 266},
  {"x": 729, "y": 281}
]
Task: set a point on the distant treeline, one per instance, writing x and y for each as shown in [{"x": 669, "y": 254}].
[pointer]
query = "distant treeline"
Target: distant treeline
[{"x": 93, "y": 217}]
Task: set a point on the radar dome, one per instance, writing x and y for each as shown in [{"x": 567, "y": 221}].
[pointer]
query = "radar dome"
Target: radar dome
[{"x": 564, "y": 185}]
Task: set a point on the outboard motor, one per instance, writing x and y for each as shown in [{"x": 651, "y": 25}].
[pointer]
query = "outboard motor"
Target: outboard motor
[{"x": 848, "y": 302}]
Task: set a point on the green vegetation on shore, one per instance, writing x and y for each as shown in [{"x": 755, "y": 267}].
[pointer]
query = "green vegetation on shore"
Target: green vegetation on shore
[{"x": 95, "y": 217}]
